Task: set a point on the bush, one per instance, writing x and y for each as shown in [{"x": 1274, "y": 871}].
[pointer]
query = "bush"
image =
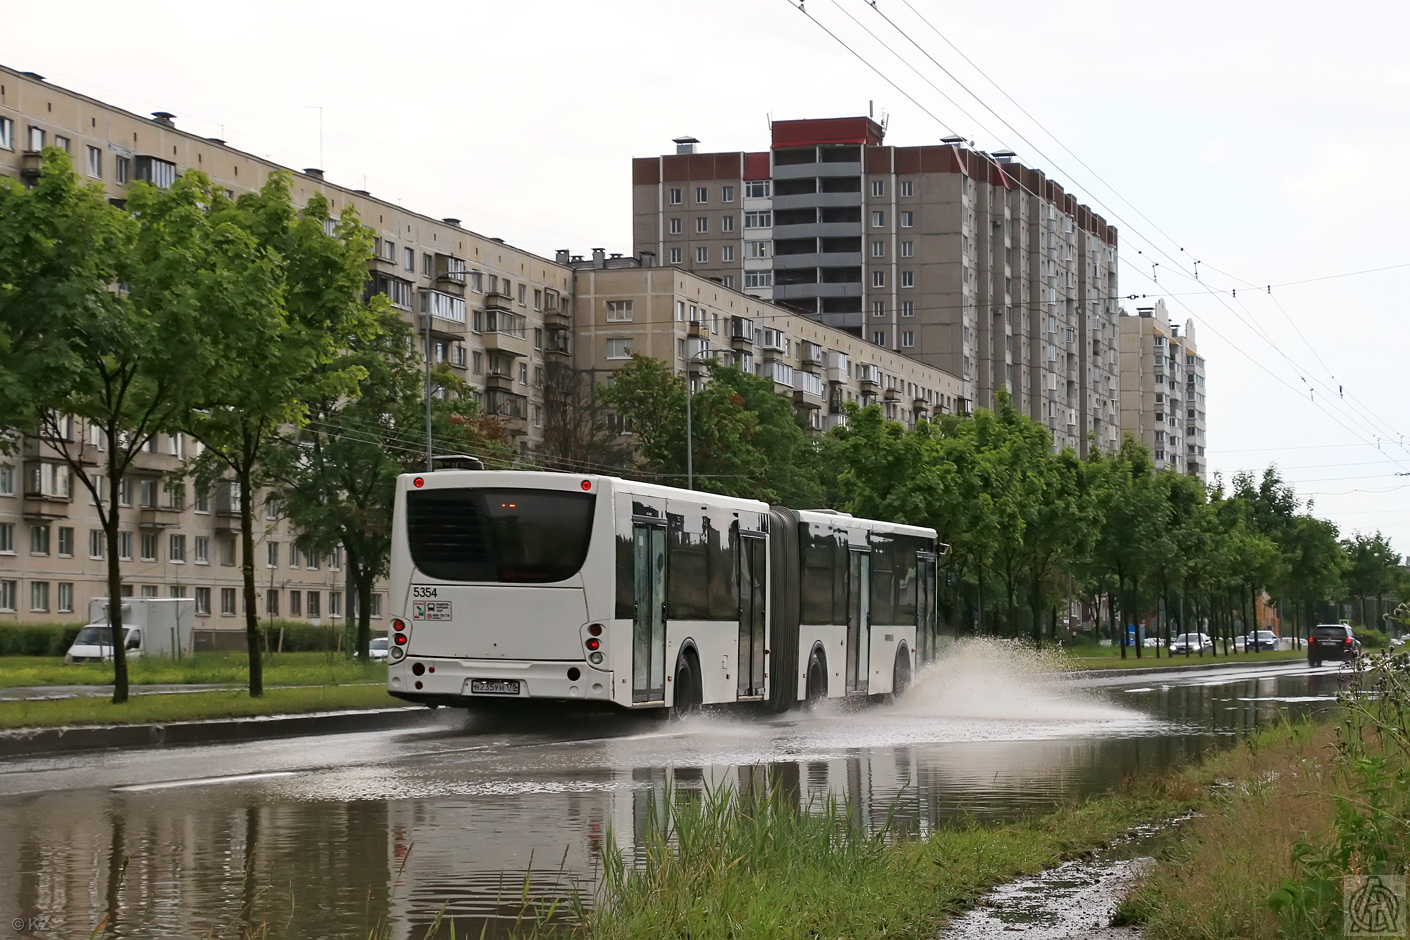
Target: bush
[
  {"x": 300, "y": 637},
  {"x": 1372, "y": 639},
  {"x": 37, "y": 639}
]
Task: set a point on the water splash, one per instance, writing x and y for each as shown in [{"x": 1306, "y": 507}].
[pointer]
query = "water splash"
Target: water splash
[{"x": 996, "y": 680}]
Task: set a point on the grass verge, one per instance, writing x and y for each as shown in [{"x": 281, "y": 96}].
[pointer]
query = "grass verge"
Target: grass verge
[
  {"x": 189, "y": 706},
  {"x": 279, "y": 669},
  {"x": 1110, "y": 658}
]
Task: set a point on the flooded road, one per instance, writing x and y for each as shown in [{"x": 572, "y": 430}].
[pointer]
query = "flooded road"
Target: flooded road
[{"x": 330, "y": 837}]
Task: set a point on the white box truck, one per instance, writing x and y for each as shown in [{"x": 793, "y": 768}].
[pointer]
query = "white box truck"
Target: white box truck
[{"x": 152, "y": 626}]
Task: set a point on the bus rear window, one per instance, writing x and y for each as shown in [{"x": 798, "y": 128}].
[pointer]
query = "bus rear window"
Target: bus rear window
[{"x": 513, "y": 536}]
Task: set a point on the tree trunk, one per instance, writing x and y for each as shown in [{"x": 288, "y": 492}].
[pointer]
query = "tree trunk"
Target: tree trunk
[
  {"x": 247, "y": 570},
  {"x": 110, "y": 535}
]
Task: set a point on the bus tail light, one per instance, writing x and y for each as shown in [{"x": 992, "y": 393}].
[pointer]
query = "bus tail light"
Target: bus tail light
[
  {"x": 401, "y": 635},
  {"x": 593, "y": 643}
]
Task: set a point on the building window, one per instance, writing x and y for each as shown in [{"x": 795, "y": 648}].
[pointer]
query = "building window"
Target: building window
[
  {"x": 374, "y": 607},
  {"x": 758, "y": 189},
  {"x": 227, "y": 550},
  {"x": 124, "y": 546},
  {"x": 908, "y": 338},
  {"x": 64, "y": 144},
  {"x": 39, "y": 540},
  {"x": 335, "y": 604},
  {"x": 95, "y": 163},
  {"x": 674, "y": 196},
  {"x": 296, "y": 556},
  {"x": 65, "y": 597},
  {"x": 727, "y": 223},
  {"x": 878, "y": 188},
  {"x": 122, "y": 170},
  {"x": 762, "y": 218},
  {"x": 907, "y": 188},
  {"x": 7, "y": 538},
  {"x": 908, "y": 249},
  {"x": 758, "y": 279},
  {"x": 66, "y": 541},
  {"x": 296, "y": 607},
  {"x": 149, "y": 546},
  {"x": 203, "y": 550},
  {"x": 272, "y": 555},
  {"x": 203, "y": 602},
  {"x": 908, "y": 308},
  {"x": 125, "y": 492},
  {"x": 97, "y": 542},
  {"x": 702, "y": 255},
  {"x": 702, "y": 225},
  {"x": 7, "y": 480},
  {"x": 676, "y": 226},
  {"x": 878, "y": 219},
  {"x": 313, "y": 605},
  {"x": 523, "y": 373},
  {"x": 177, "y": 548},
  {"x": 227, "y": 601},
  {"x": 271, "y": 602},
  {"x": 39, "y": 596},
  {"x": 702, "y": 194},
  {"x": 878, "y": 248},
  {"x": 36, "y": 138},
  {"x": 335, "y": 558},
  {"x": 619, "y": 348},
  {"x": 758, "y": 249},
  {"x": 7, "y": 136},
  {"x": 878, "y": 279},
  {"x": 908, "y": 279},
  {"x": 878, "y": 308},
  {"x": 727, "y": 253},
  {"x": 908, "y": 219},
  {"x": 726, "y": 194},
  {"x": 677, "y": 256},
  {"x": 8, "y": 592},
  {"x": 879, "y": 337},
  {"x": 728, "y": 281}
]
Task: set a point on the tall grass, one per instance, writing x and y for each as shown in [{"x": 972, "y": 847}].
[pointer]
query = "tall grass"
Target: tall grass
[{"x": 198, "y": 668}]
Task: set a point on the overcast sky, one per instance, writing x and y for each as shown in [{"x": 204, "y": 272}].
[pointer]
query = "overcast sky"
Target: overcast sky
[{"x": 1264, "y": 140}]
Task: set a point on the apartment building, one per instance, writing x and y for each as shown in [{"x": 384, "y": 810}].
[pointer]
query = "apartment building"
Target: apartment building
[
  {"x": 969, "y": 262},
  {"x": 1162, "y": 389},
  {"x": 491, "y": 310},
  {"x": 630, "y": 306}
]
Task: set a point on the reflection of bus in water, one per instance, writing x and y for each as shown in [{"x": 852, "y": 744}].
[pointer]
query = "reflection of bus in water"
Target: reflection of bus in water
[{"x": 510, "y": 585}]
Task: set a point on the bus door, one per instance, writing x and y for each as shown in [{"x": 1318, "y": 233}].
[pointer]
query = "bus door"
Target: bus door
[
  {"x": 649, "y": 623},
  {"x": 858, "y": 619},
  {"x": 925, "y": 607},
  {"x": 753, "y": 559}
]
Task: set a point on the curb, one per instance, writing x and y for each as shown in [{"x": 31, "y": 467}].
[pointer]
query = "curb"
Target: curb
[
  {"x": 37, "y": 741},
  {"x": 1220, "y": 663}
]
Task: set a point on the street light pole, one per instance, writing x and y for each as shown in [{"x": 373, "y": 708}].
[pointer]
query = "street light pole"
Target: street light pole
[{"x": 689, "y": 440}]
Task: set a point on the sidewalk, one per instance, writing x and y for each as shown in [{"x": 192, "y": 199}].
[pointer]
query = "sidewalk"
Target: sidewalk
[{"x": 25, "y": 742}]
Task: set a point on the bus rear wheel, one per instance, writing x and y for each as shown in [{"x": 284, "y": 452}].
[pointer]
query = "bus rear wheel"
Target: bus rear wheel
[
  {"x": 817, "y": 680},
  {"x": 901, "y": 673},
  {"x": 688, "y": 696}
]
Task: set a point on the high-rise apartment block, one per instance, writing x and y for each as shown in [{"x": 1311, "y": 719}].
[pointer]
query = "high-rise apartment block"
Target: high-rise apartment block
[
  {"x": 967, "y": 261},
  {"x": 1162, "y": 389}
]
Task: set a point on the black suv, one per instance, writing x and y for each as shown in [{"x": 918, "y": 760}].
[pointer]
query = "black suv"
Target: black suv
[{"x": 1331, "y": 641}]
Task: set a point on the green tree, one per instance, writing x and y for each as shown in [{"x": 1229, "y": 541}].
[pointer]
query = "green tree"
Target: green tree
[
  {"x": 1373, "y": 570},
  {"x": 290, "y": 316},
  {"x": 647, "y": 396},
  {"x": 100, "y": 347}
]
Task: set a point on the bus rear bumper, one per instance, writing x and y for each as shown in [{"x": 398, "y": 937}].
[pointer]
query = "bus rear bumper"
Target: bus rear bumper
[{"x": 470, "y": 681}]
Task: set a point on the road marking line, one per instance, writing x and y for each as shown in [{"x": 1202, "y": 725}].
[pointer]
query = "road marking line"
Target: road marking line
[{"x": 201, "y": 781}]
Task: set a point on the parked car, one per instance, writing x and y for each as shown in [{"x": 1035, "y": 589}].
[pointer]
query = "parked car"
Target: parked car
[
  {"x": 377, "y": 649},
  {"x": 1261, "y": 640},
  {"x": 1192, "y": 643},
  {"x": 1331, "y": 641}
]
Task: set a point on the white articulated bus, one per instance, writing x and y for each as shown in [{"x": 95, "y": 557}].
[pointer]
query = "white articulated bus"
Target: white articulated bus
[{"x": 509, "y": 586}]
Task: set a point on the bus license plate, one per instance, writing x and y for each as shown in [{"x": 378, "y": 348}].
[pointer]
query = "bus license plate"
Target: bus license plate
[{"x": 495, "y": 686}]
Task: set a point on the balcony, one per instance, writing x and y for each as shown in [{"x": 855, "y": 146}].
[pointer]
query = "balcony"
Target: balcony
[
  {"x": 153, "y": 518},
  {"x": 497, "y": 298},
  {"x": 558, "y": 344},
  {"x": 31, "y": 164},
  {"x": 810, "y": 354},
  {"x": 893, "y": 394},
  {"x": 868, "y": 375},
  {"x": 506, "y": 333},
  {"x": 557, "y": 319},
  {"x": 501, "y": 381}
]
